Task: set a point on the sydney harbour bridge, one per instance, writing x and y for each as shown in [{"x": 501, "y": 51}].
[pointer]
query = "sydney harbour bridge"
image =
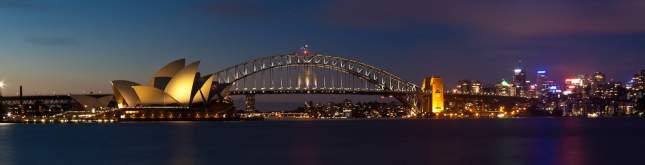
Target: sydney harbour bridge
[{"x": 319, "y": 74}]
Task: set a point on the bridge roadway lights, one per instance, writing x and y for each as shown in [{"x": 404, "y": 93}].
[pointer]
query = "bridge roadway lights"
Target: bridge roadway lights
[{"x": 368, "y": 92}]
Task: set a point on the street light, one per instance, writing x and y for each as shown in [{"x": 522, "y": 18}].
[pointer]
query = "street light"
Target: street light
[{"x": 1, "y": 84}]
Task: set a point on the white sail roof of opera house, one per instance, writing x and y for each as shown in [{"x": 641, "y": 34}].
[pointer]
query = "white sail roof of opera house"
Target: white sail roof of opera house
[
  {"x": 168, "y": 71},
  {"x": 201, "y": 94},
  {"x": 181, "y": 85},
  {"x": 173, "y": 84},
  {"x": 124, "y": 93},
  {"x": 151, "y": 95}
]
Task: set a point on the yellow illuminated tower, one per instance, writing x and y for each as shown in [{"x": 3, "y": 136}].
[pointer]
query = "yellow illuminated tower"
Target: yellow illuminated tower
[
  {"x": 437, "y": 94},
  {"x": 432, "y": 95}
]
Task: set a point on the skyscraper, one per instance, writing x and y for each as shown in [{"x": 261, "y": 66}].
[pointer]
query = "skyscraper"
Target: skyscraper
[
  {"x": 584, "y": 79},
  {"x": 250, "y": 103},
  {"x": 638, "y": 80},
  {"x": 502, "y": 88},
  {"x": 520, "y": 76},
  {"x": 611, "y": 89},
  {"x": 519, "y": 83},
  {"x": 476, "y": 87},
  {"x": 464, "y": 86},
  {"x": 597, "y": 84},
  {"x": 542, "y": 78}
]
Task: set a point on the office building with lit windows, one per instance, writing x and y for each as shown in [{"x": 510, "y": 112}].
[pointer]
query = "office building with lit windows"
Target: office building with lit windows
[
  {"x": 597, "y": 84},
  {"x": 464, "y": 86},
  {"x": 520, "y": 87},
  {"x": 638, "y": 80},
  {"x": 541, "y": 78},
  {"x": 519, "y": 77},
  {"x": 250, "y": 103},
  {"x": 476, "y": 87}
]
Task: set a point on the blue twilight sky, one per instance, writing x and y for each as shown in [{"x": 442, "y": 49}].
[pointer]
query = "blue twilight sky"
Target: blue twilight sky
[{"x": 75, "y": 46}]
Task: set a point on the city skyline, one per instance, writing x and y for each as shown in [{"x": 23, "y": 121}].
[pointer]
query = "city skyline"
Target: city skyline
[{"x": 80, "y": 46}]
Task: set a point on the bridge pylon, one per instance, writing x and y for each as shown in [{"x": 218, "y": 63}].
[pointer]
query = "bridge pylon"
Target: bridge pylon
[{"x": 432, "y": 96}]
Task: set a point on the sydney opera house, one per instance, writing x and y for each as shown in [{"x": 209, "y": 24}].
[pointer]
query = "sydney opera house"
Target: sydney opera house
[{"x": 175, "y": 91}]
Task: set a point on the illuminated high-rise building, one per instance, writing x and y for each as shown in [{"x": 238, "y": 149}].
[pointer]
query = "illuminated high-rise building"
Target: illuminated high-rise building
[
  {"x": 476, "y": 87},
  {"x": 250, "y": 103},
  {"x": 464, "y": 86},
  {"x": 638, "y": 80},
  {"x": 330, "y": 108},
  {"x": 503, "y": 88},
  {"x": 542, "y": 78},
  {"x": 347, "y": 107},
  {"x": 584, "y": 83},
  {"x": 584, "y": 78},
  {"x": 597, "y": 83},
  {"x": 519, "y": 83},
  {"x": 519, "y": 77},
  {"x": 611, "y": 90},
  {"x": 309, "y": 106},
  {"x": 532, "y": 90},
  {"x": 572, "y": 86}
]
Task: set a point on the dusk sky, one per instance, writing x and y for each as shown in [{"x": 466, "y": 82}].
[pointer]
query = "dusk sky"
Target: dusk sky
[{"x": 75, "y": 46}]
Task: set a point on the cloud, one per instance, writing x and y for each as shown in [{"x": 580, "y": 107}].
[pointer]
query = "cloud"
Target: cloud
[
  {"x": 52, "y": 41},
  {"x": 513, "y": 18}
]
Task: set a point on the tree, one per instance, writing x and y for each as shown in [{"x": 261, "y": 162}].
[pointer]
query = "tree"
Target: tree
[
  {"x": 534, "y": 111},
  {"x": 640, "y": 103},
  {"x": 3, "y": 109},
  {"x": 299, "y": 110}
]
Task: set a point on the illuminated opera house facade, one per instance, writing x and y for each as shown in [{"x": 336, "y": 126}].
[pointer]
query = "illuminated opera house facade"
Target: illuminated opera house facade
[{"x": 174, "y": 90}]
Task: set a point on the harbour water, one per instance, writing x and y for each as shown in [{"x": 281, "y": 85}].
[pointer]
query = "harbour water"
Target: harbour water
[{"x": 569, "y": 141}]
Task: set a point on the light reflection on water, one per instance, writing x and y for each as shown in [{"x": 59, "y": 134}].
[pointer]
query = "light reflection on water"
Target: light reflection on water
[
  {"x": 5, "y": 147},
  {"x": 568, "y": 141},
  {"x": 184, "y": 148}
]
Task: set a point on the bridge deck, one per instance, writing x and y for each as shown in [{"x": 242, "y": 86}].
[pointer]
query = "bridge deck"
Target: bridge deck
[
  {"x": 47, "y": 100},
  {"x": 321, "y": 91}
]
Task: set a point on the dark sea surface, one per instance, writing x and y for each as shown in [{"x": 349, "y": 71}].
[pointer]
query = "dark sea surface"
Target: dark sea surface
[{"x": 521, "y": 141}]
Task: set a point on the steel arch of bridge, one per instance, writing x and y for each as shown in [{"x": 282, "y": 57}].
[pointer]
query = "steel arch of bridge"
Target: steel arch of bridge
[{"x": 386, "y": 82}]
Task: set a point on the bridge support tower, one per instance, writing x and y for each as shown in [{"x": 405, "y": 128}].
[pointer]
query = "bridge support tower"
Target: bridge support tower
[{"x": 432, "y": 98}]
